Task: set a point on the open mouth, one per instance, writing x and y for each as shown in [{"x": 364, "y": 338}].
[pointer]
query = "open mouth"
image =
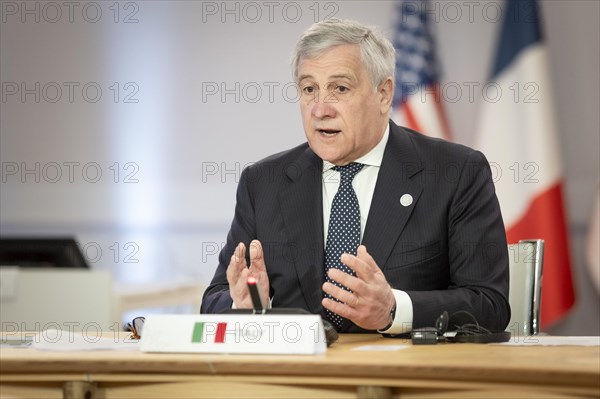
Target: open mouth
[{"x": 328, "y": 132}]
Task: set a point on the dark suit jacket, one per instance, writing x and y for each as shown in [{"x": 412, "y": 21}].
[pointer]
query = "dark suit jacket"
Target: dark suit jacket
[{"x": 447, "y": 249}]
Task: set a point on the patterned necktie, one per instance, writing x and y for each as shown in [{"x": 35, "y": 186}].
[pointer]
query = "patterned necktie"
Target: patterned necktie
[{"x": 343, "y": 235}]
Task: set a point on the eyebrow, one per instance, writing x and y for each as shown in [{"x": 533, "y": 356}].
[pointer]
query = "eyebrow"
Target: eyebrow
[
  {"x": 348, "y": 77},
  {"x": 302, "y": 77},
  {"x": 342, "y": 76}
]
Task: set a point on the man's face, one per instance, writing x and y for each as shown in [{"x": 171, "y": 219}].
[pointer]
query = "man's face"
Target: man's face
[{"x": 344, "y": 117}]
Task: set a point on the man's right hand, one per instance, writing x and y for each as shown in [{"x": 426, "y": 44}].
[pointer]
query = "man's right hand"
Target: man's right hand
[{"x": 238, "y": 272}]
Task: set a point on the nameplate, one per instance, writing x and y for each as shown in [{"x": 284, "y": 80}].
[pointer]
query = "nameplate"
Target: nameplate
[{"x": 234, "y": 333}]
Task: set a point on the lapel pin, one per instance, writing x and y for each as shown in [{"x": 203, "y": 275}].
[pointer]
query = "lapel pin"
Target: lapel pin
[{"x": 406, "y": 200}]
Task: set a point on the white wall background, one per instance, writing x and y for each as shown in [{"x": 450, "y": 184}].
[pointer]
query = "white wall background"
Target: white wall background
[{"x": 146, "y": 112}]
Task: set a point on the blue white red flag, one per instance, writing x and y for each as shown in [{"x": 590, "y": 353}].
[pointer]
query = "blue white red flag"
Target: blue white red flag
[{"x": 518, "y": 133}]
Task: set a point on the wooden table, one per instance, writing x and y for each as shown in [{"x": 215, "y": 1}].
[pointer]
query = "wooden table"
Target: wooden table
[{"x": 436, "y": 371}]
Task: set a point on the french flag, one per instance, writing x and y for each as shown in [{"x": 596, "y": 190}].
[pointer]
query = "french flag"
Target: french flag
[
  {"x": 518, "y": 134},
  {"x": 417, "y": 99}
]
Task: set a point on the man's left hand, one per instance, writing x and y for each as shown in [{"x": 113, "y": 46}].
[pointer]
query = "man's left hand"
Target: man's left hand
[{"x": 369, "y": 303}]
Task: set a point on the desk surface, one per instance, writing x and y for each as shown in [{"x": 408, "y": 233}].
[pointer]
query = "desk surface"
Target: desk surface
[{"x": 564, "y": 370}]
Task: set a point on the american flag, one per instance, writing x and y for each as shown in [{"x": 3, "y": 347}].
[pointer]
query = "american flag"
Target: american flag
[{"x": 417, "y": 101}]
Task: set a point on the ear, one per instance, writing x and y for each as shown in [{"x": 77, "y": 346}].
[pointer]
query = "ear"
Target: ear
[{"x": 386, "y": 95}]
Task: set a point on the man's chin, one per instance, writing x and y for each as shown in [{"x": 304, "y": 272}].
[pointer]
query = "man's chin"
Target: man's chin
[{"x": 329, "y": 156}]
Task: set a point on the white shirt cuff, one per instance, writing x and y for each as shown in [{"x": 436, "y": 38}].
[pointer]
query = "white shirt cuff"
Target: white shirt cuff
[{"x": 404, "y": 314}]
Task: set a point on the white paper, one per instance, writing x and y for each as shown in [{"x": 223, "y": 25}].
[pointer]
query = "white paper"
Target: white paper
[
  {"x": 549, "y": 340},
  {"x": 71, "y": 341},
  {"x": 15, "y": 342}
]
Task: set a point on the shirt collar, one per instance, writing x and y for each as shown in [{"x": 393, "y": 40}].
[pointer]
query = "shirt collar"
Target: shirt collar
[{"x": 371, "y": 158}]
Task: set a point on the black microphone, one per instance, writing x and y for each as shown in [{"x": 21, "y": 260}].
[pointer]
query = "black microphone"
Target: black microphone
[{"x": 257, "y": 302}]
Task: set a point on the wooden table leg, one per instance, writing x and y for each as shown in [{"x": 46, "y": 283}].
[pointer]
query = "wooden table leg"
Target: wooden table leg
[
  {"x": 79, "y": 390},
  {"x": 374, "y": 392}
]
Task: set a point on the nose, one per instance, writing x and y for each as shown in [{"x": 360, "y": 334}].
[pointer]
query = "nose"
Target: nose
[{"x": 323, "y": 106}]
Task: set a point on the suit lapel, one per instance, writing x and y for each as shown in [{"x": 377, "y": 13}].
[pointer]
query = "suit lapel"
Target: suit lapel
[
  {"x": 302, "y": 211},
  {"x": 388, "y": 215}
]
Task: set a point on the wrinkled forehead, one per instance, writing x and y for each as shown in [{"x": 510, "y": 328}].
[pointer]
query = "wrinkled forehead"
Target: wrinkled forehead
[{"x": 339, "y": 62}]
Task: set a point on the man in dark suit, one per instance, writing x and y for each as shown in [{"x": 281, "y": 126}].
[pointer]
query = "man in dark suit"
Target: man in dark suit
[{"x": 425, "y": 210}]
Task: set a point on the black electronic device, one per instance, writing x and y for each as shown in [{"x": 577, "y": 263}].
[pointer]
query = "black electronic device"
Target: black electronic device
[
  {"x": 41, "y": 252},
  {"x": 460, "y": 327}
]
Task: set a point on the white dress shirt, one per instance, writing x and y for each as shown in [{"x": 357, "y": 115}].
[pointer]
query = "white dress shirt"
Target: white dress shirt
[{"x": 364, "y": 186}]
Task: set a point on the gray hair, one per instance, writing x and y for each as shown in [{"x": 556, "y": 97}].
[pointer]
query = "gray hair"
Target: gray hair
[{"x": 377, "y": 53}]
